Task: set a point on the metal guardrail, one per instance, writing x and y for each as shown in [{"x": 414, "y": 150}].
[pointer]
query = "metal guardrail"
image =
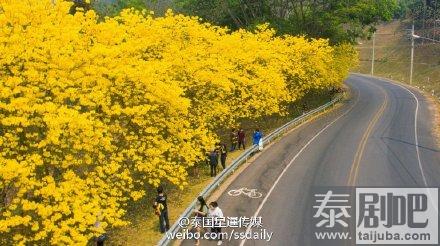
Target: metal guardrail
[{"x": 243, "y": 157}]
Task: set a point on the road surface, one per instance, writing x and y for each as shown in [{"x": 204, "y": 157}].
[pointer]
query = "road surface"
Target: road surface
[{"x": 372, "y": 140}]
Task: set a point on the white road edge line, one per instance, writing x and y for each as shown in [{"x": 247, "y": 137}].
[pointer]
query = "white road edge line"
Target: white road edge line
[
  {"x": 416, "y": 138},
  {"x": 293, "y": 159},
  {"x": 416, "y": 135}
]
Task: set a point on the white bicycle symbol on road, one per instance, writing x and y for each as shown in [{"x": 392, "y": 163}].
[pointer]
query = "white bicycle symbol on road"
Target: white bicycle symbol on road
[{"x": 252, "y": 193}]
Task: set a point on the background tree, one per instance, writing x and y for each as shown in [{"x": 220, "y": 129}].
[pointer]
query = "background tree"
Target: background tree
[
  {"x": 425, "y": 14},
  {"x": 338, "y": 20},
  {"x": 113, "y": 7}
]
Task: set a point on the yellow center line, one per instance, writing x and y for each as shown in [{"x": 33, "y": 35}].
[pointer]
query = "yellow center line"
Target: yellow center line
[{"x": 360, "y": 150}]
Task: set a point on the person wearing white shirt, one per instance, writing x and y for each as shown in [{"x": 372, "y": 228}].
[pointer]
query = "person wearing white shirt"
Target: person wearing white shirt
[{"x": 216, "y": 212}]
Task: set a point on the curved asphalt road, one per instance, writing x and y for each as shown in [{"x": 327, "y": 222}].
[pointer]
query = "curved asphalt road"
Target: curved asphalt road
[{"x": 369, "y": 141}]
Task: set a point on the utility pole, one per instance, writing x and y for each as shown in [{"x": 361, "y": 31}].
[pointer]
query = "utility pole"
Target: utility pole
[
  {"x": 435, "y": 28},
  {"x": 372, "y": 56},
  {"x": 423, "y": 22},
  {"x": 435, "y": 21},
  {"x": 412, "y": 54},
  {"x": 434, "y": 33}
]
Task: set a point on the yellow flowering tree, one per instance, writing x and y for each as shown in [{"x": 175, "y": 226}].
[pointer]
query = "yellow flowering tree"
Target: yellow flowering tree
[{"x": 91, "y": 111}]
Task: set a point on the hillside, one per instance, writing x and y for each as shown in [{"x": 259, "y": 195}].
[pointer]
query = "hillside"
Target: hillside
[{"x": 393, "y": 52}]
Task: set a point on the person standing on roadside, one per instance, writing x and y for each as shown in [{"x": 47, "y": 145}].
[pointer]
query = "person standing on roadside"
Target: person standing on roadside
[
  {"x": 160, "y": 206},
  {"x": 213, "y": 162},
  {"x": 241, "y": 138},
  {"x": 216, "y": 212},
  {"x": 257, "y": 139},
  {"x": 200, "y": 212},
  {"x": 234, "y": 139},
  {"x": 101, "y": 239},
  {"x": 223, "y": 155}
]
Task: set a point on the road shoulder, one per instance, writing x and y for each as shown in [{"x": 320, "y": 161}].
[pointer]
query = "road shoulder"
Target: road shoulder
[
  {"x": 433, "y": 104},
  {"x": 221, "y": 189}
]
